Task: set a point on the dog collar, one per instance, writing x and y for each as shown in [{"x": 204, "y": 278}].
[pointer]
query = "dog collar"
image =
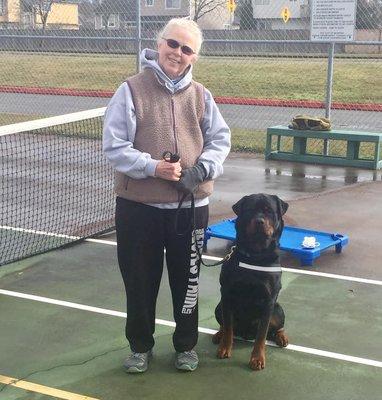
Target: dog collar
[{"x": 259, "y": 268}]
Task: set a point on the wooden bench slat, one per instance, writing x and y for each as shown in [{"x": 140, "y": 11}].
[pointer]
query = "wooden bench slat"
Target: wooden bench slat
[
  {"x": 333, "y": 134},
  {"x": 299, "y": 153}
]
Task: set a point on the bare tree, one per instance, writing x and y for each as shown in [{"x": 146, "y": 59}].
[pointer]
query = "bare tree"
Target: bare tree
[
  {"x": 43, "y": 8},
  {"x": 203, "y": 7}
]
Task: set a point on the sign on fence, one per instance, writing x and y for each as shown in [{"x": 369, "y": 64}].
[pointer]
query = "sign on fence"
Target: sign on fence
[
  {"x": 285, "y": 14},
  {"x": 231, "y": 5},
  {"x": 332, "y": 20}
]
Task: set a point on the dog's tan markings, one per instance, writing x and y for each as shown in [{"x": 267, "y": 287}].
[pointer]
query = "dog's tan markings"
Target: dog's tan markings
[
  {"x": 255, "y": 227},
  {"x": 225, "y": 345},
  {"x": 281, "y": 338},
  {"x": 259, "y": 224},
  {"x": 257, "y": 361},
  {"x": 268, "y": 228}
]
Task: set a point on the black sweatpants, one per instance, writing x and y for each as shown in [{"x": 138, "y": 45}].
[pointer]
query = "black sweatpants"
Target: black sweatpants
[{"x": 143, "y": 232}]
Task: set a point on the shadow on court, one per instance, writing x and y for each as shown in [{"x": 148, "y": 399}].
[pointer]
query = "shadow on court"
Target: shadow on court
[{"x": 62, "y": 325}]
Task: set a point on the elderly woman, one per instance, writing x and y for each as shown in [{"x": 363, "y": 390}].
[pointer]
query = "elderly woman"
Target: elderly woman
[{"x": 160, "y": 110}]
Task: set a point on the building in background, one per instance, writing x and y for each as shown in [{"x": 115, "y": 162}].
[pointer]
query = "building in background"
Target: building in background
[
  {"x": 213, "y": 14},
  {"x": 114, "y": 14},
  {"x": 39, "y": 14},
  {"x": 121, "y": 14},
  {"x": 156, "y": 13},
  {"x": 267, "y": 14}
]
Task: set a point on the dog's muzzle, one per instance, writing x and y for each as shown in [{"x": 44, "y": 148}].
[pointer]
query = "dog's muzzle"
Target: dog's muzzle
[{"x": 259, "y": 226}]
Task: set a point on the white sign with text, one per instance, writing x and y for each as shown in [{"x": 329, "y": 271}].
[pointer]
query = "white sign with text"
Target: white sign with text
[{"x": 332, "y": 20}]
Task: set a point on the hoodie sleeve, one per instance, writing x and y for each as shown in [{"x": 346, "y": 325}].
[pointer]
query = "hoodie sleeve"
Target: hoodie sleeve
[
  {"x": 217, "y": 138},
  {"x": 118, "y": 137}
]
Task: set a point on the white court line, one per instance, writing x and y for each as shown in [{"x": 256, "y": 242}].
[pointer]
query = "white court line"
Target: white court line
[
  {"x": 295, "y": 271},
  {"x": 59, "y": 235},
  {"x": 101, "y": 241},
  {"x": 301, "y": 349}
]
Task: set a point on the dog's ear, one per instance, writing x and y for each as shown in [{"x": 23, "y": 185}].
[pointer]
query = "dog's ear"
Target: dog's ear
[
  {"x": 237, "y": 207},
  {"x": 282, "y": 206}
]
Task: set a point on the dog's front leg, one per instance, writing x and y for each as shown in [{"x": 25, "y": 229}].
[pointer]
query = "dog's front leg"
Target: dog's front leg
[
  {"x": 257, "y": 361},
  {"x": 226, "y": 329}
]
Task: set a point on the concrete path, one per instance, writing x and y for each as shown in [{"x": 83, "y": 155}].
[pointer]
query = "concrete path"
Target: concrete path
[{"x": 246, "y": 117}]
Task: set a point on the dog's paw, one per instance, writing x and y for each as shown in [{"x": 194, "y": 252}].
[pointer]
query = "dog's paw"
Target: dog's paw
[
  {"x": 257, "y": 364},
  {"x": 281, "y": 338},
  {"x": 217, "y": 337},
  {"x": 224, "y": 352},
  {"x": 257, "y": 361}
]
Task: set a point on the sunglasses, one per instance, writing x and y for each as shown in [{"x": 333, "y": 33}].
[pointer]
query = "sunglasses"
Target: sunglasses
[{"x": 174, "y": 44}]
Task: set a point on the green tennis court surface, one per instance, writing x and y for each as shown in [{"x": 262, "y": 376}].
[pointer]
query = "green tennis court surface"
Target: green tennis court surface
[
  {"x": 80, "y": 352},
  {"x": 63, "y": 312}
]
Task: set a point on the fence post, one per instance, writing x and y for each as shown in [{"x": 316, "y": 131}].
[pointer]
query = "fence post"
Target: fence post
[
  {"x": 329, "y": 87},
  {"x": 329, "y": 81},
  {"x": 138, "y": 36}
]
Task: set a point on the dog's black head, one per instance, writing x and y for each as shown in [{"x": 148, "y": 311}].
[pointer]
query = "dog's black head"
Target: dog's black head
[{"x": 259, "y": 222}]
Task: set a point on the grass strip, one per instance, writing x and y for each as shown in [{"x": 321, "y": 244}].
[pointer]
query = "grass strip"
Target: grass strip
[
  {"x": 355, "y": 80},
  {"x": 243, "y": 140}
]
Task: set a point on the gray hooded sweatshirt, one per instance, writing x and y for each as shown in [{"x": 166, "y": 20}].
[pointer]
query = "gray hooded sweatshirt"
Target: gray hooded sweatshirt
[{"x": 120, "y": 128}]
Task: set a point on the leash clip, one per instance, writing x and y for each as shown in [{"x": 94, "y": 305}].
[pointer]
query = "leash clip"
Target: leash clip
[{"x": 225, "y": 259}]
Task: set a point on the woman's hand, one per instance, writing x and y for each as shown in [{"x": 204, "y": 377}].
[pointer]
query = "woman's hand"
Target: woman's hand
[{"x": 168, "y": 171}]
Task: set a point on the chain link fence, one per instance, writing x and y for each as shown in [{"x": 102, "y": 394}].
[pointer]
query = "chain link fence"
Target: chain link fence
[{"x": 257, "y": 59}]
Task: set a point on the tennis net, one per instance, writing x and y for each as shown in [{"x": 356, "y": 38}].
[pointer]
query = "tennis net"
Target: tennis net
[{"x": 56, "y": 185}]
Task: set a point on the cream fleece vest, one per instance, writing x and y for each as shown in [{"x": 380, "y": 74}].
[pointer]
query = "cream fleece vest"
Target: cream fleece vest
[{"x": 165, "y": 122}]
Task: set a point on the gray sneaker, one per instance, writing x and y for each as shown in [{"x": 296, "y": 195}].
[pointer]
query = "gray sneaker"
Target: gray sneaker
[
  {"x": 187, "y": 360},
  {"x": 137, "y": 362}
]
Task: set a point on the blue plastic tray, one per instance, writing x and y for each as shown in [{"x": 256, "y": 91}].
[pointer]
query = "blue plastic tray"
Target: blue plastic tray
[{"x": 291, "y": 239}]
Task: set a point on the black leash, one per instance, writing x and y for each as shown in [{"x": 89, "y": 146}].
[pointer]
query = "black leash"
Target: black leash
[
  {"x": 191, "y": 226},
  {"x": 173, "y": 158},
  {"x": 170, "y": 157}
]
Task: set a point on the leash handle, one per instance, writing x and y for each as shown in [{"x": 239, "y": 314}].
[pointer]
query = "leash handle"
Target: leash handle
[{"x": 170, "y": 157}]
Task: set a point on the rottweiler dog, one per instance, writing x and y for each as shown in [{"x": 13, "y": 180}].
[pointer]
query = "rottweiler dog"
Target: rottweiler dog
[{"x": 250, "y": 279}]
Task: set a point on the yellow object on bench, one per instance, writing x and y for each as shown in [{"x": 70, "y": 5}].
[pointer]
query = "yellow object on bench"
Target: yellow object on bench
[
  {"x": 309, "y": 123},
  {"x": 362, "y": 148}
]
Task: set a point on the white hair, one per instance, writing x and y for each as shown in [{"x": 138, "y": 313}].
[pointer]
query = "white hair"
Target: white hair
[{"x": 187, "y": 24}]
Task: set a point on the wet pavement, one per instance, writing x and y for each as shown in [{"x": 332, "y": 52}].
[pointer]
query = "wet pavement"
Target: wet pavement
[
  {"x": 324, "y": 198},
  {"x": 245, "y": 174},
  {"x": 63, "y": 321}
]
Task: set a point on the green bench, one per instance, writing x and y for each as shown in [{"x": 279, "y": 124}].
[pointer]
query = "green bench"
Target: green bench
[{"x": 363, "y": 149}]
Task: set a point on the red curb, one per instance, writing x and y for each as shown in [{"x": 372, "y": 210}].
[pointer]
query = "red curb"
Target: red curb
[
  {"x": 218, "y": 99},
  {"x": 298, "y": 103}
]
